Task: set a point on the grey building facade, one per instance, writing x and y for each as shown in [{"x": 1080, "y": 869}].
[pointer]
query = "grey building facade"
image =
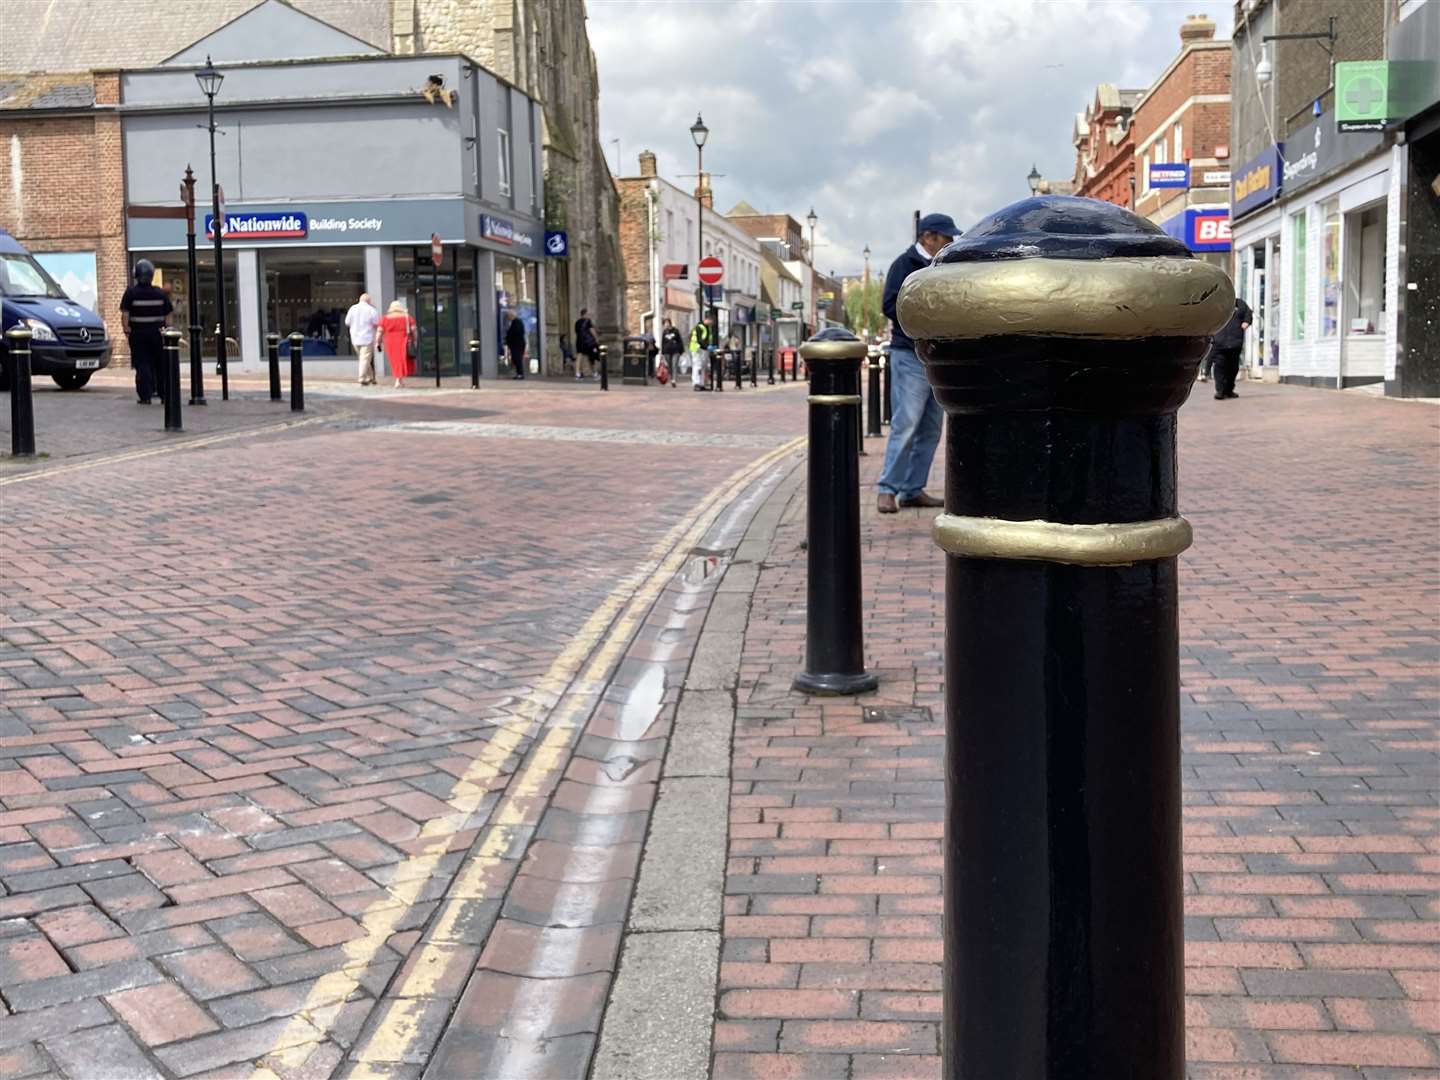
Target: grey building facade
[{"x": 337, "y": 169}]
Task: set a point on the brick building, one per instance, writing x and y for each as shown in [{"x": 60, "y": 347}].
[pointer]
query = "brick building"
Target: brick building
[
  {"x": 1105, "y": 146},
  {"x": 1182, "y": 134},
  {"x": 62, "y": 192}
]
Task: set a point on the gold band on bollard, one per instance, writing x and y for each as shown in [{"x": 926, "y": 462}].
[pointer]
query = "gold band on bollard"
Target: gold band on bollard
[
  {"x": 834, "y": 399},
  {"x": 1048, "y": 541}
]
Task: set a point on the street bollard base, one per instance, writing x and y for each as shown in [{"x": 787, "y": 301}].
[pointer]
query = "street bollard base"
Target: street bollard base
[{"x": 836, "y": 685}]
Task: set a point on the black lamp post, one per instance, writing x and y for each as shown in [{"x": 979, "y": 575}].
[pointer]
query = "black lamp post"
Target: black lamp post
[
  {"x": 210, "y": 80},
  {"x": 865, "y": 294},
  {"x": 1034, "y": 179},
  {"x": 699, "y": 133},
  {"x": 811, "y": 219}
]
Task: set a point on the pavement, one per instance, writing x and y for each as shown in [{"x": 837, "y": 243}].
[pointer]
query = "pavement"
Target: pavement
[{"x": 449, "y": 734}]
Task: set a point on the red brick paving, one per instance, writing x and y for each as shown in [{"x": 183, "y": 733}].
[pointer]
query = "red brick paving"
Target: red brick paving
[
  {"x": 241, "y": 684},
  {"x": 1309, "y": 660}
]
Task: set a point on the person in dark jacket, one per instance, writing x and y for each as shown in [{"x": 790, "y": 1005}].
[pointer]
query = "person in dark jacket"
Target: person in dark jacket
[
  {"x": 915, "y": 415},
  {"x": 671, "y": 346},
  {"x": 515, "y": 345},
  {"x": 1226, "y": 346},
  {"x": 586, "y": 343},
  {"x": 142, "y": 313}
]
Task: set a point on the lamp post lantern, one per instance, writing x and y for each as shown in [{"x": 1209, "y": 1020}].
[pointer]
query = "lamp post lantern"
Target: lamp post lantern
[
  {"x": 810, "y": 219},
  {"x": 210, "y": 80},
  {"x": 1034, "y": 179}
]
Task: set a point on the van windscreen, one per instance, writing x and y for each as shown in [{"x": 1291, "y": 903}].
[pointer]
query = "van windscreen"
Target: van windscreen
[{"x": 20, "y": 275}]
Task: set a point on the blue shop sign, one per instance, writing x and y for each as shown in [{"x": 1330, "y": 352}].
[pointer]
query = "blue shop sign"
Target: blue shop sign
[
  {"x": 557, "y": 244},
  {"x": 286, "y": 225},
  {"x": 497, "y": 229},
  {"x": 1258, "y": 181},
  {"x": 1204, "y": 228},
  {"x": 1170, "y": 176}
]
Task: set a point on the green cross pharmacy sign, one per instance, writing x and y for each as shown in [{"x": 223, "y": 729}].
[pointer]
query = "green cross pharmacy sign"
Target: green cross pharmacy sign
[{"x": 1362, "y": 95}]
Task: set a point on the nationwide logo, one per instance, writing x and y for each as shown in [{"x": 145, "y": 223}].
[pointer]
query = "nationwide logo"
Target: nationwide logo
[
  {"x": 497, "y": 229},
  {"x": 286, "y": 226}
]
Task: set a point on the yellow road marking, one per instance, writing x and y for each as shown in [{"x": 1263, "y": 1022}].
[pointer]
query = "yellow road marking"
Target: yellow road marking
[
  {"x": 169, "y": 448},
  {"x": 613, "y": 622}
]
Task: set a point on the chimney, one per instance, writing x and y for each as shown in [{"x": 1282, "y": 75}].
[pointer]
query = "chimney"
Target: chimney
[
  {"x": 703, "y": 192},
  {"x": 1196, "y": 28},
  {"x": 647, "y": 163}
]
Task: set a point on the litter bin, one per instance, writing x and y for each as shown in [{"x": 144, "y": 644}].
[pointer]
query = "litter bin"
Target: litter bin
[{"x": 633, "y": 360}]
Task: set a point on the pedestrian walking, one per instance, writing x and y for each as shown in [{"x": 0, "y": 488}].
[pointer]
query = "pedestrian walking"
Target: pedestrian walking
[
  {"x": 701, "y": 339},
  {"x": 567, "y": 354},
  {"x": 1226, "y": 346},
  {"x": 361, "y": 320},
  {"x": 586, "y": 343},
  {"x": 142, "y": 314},
  {"x": 915, "y": 415},
  {"x": 671, "y": 346},
  {"x": 515, "y": 345},
  {"x": 398, "y": 340}
]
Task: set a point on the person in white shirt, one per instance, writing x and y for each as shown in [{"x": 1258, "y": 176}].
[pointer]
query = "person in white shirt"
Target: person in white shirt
[{"x": 361, "y": 321}]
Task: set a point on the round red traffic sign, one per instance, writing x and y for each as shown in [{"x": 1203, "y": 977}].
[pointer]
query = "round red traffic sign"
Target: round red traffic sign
[
  {"x": 712, "y": 270},
  {"x": 437, "y": 249}
]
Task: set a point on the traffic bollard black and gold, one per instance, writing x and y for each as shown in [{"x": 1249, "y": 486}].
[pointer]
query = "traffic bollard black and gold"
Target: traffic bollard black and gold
[
  {"x": 834, "y": 636},
  {"x": 885, "y": 388},
  {"x": 872, "y": 406},
  {"x": 754, "y": 366},
  {"x": 733, "y": 356},
  {"x": 717, "y": 372},
  {"x": 22, "y": 403},
  {"x": 297, "y": 372},
  {"x": 769, "y": 364},
  {"x": 170, "y": 377},
  {"x": 474, "y": 364},
  {"x": 604, "y": 368},
  {"x": 272, "y": 349},
  {"x": 1061, "y": 335}
]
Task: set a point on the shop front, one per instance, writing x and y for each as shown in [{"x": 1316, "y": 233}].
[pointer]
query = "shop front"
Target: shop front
[{"x": 1255, "y": 245}]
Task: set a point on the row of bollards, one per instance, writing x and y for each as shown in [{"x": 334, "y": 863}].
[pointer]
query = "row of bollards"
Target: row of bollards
[{"x": 1060, "y": 336}]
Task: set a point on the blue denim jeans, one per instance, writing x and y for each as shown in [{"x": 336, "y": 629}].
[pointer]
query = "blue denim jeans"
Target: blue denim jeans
[{"x": 915, "y": 421}]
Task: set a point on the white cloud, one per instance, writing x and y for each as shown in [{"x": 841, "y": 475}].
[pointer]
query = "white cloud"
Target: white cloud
[{"x": 871, "y": 110}]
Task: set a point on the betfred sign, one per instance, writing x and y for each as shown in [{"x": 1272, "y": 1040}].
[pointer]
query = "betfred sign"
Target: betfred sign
[
  {"x": 1201, "y": 229},
  {"x": 1170, "y": 176}
]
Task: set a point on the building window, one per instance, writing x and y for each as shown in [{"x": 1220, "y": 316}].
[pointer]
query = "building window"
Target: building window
[
  {"x": 1330, "y": 270},
  {"x": 1179, "y": 144},
  {"x": 504, "y": 162},
  {"x": 1365, "y": 286},
  {"x": 1160, "y": 147},
  {"x": 1145, "y": 174},
  {"x": 1300, "y": 276}
]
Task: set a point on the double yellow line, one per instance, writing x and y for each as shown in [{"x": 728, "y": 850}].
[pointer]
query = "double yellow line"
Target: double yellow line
[{"x": 610, "y": 626}]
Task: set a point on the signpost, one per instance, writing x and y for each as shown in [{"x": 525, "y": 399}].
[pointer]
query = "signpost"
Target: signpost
[
  {"x": 437, "y": 255},
  {"x": 712, "y": 271}
]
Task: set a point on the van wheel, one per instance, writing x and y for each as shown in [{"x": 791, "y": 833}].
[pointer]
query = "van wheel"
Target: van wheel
[{"x": 71, "y": 380}]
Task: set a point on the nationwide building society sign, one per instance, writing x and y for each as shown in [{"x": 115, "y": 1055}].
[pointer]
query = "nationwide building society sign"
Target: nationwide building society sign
[{"x": 290, "y": 225}]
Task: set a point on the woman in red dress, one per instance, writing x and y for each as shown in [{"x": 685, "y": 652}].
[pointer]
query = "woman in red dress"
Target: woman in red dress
[{"x": 397, "y": 333}]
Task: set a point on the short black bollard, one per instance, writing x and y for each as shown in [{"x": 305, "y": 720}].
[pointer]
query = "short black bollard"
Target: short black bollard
[
  {"x": 734, "y": 356},
  {"x": 604, "y": 368},
  {"x": 169, "y": 377},
  {"x": 885, "y": 393},
  {"x": 1061, "y": 335},
  {"x": 272, "y": 347},
  {"x": 474, "y": 364},
  {"x": 872, "y": 405},
  {"x": 22, "y": 404},
  {"x": 197, "y": 362},
  {"x": 834, "y": 637},
  {"x": 754, "y": 366},
  {"x": 297, "y": 372},
  {"x": 769, "y": 366},
  {"x": 717, "y": 372}
]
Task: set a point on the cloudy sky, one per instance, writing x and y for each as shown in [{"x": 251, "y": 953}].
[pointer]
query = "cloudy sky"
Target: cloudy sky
[{"x": 870, "y": 110}]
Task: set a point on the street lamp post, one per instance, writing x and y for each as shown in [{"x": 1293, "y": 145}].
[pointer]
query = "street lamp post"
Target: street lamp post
[
  {"x": 865, "y": 292},
  {"x": 699, "y": 133},
  {"x": 210, "y": 80},
  {"x": 811, "y": 219}
]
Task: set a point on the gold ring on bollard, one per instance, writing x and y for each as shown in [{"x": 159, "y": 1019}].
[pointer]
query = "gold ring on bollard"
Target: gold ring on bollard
[
  {"x": 1118, "y": 544},
  {"x": 834, "y": 399}
]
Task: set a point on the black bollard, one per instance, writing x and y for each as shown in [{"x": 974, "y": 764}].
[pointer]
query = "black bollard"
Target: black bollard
[
  {"x": 717, "y": 372},
  {"x": 297, "y": 372},
  {"x": 272, "y": 347},
  {"x": 885, "y": 393},
  {"x": 604, "y": 368},
  {"x": 754, "y": 367},
  {"x": 474, "y": 364},
  {"x": 834, "y": 638},
  {"x": 769, "y": 365},
  {"x": 872, "y": 406},
  {"x": 169, "y": 377},
  {"x": 734, "y": 356},
  {"x": 22, "y": 404},
  {"x": 1061, "y": 335},
  {"x": 859, "y": 421}
]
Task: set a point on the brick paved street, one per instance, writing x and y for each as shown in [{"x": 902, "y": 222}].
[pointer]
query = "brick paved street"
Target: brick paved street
[
  {"x": 386, "y": 746},
  {"x": 1309, "y": 667}
]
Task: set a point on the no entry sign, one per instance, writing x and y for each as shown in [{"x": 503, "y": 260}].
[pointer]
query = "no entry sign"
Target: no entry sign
[{"x": 712, "y": 270}]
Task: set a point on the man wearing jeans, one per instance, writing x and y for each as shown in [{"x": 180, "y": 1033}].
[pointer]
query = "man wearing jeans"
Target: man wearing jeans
[{"x": 915, "y": 415}]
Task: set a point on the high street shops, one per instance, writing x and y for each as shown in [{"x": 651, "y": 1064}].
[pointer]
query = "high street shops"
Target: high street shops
[{"x": 336, "y": 174}]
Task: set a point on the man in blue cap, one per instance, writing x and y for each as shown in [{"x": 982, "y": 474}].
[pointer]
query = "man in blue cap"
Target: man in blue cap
[{"x": 915, "y": 415}]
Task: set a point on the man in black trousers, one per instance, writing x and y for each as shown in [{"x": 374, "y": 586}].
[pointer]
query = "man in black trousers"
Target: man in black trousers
[
  {"x": 143, "y": 309},
  {"x": 515, "y": 345},
  {"x": 1226, "y": 345}
]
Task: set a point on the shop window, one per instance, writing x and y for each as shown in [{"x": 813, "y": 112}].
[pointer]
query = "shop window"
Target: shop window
[
  {"x": 1330, "y": 270},
  {"x": 310, "y": 291},
  {"x": 172, "y": 275},
  {"x": 517, "y": 292},
  {"x": 1300, "y": 276},
  {"x": 1365, "y": 283},
  {"x": 504, "y": 162}
]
